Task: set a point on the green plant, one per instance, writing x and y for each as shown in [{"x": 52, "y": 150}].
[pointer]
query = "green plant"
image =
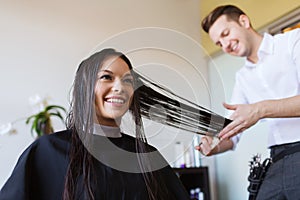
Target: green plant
[{"x": 41, "y": 122}]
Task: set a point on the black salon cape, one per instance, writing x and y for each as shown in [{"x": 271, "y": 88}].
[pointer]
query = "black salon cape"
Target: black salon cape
[{"x": 41, "y": 169}]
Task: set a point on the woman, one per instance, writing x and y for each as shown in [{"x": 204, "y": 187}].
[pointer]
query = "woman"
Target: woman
[{"x": 93, "y": 159}]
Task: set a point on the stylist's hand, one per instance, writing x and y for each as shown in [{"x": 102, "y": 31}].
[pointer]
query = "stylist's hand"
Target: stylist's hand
[
  {"x": 244, "y": 116},
  {"x": 208, "y": 145}
]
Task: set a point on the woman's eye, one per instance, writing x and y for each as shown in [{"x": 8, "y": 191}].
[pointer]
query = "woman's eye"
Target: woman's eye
[
  {"x": 106, "y": 77},
  {"x": 128, "y": 80}
]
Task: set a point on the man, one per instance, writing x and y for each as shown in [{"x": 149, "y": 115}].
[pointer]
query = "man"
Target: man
[{"x": 268, "y": 86}]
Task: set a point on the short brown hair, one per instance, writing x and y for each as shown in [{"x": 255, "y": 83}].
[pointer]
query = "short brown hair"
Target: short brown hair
[{"x": 232, "y": 12}]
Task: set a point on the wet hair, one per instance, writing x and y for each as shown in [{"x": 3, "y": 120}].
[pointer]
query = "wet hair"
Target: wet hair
[
  {"x": 160, "y": 104},
  {"x": 178, "y": 112},
  {"x": 230, "y": 11}
]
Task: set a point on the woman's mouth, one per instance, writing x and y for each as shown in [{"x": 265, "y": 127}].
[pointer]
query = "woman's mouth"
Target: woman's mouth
[{"x": 115, "y": 100}]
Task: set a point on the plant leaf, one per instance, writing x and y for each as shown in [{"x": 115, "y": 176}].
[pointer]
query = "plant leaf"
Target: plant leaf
[{"x": 43, "y": 117}]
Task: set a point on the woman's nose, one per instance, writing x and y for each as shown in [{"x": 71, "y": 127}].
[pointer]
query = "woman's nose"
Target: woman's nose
[{"x": 117, "y": 86}]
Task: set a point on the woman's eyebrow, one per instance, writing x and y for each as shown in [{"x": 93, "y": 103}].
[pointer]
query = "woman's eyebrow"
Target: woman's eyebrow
[
  {"x": 105, "y": 70},
  {"x": 128, "y": 75}
]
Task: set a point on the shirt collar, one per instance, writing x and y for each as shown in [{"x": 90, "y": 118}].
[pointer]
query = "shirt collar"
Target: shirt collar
[
  {"x": 266, "y": 48},
  {"x": 267, "y": 45}
]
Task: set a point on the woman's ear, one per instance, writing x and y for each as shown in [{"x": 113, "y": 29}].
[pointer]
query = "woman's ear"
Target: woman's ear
[{"x": 244, "y": 21}]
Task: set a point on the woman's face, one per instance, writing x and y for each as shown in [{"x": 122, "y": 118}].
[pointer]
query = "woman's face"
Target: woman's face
[{"x": 113, "y": 91}]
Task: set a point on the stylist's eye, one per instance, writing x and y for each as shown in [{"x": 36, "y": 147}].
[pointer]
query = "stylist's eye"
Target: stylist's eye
[
  {"x": 225, "y": 33},
  {"x": 219, "y": 44}
]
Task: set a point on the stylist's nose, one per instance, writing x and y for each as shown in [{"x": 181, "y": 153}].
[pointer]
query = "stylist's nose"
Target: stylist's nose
[
  {"x": 117, "y": 86},
  {"x": 225, "y": 45}
]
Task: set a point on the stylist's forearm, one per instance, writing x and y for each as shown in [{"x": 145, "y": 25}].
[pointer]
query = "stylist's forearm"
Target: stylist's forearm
[{"x": 288, "y": 107}]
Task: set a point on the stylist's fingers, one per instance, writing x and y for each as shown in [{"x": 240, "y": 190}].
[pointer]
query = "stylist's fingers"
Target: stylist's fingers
[
  {"x": 198, "y": 147},
  {"x": 205, "y": 139},
  {"x": 231, "y": 130},
  {"x": 229, "y": 106},
  {"x": 238, "y": 120},
  {"x": 205, "y": 145}
]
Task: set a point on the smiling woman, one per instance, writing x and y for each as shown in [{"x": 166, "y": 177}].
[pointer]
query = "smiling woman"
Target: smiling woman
[{"x": 93, "y": 159}]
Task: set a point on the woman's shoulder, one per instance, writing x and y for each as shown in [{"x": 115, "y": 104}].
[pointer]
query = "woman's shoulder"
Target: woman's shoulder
[
  {"x": 56, "y": 137},
  {"x": 54, "y": 142},
  {"x": 62, "y": 136}
]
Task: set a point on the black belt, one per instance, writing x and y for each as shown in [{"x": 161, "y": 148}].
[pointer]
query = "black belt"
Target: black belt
[{"x": 290, "y": 149}]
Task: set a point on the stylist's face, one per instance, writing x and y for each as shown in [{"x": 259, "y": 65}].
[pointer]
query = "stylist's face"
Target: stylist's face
[
  {"x": 114, "y": 91},
  {"x": 231, "y": 36}
]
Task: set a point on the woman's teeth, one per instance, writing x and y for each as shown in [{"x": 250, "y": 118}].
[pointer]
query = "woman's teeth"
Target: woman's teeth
[{"x": 116, "y": 101}]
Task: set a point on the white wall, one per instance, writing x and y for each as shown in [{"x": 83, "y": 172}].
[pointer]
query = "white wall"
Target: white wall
[
  {"x": 42, "y": 43},
  {"x": 232, "y": 167}
]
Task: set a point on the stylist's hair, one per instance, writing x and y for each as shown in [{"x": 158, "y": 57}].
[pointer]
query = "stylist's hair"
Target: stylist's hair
[
  {"x": 230, "y": 11},
  {"x": 80, "y": 122}
]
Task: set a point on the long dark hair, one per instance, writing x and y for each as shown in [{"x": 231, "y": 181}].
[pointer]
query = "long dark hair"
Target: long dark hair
[{"x": 81, "y": 119}]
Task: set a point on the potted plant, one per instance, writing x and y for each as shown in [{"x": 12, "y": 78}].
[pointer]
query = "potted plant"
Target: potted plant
[{"x": 41, "y": 122}]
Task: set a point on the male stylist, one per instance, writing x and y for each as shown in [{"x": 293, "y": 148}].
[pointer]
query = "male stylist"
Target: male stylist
[{"x": 267, "y": 86}]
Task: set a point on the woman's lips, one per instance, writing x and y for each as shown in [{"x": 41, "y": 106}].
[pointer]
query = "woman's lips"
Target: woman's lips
[{"x": 115, "y": 100}]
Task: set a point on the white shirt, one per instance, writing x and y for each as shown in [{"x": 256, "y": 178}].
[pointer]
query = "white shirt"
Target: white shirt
[{"x": 276, "y": 75}]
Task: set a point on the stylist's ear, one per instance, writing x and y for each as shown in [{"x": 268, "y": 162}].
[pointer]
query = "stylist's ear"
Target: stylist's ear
[{"x": 244, "y": 21}]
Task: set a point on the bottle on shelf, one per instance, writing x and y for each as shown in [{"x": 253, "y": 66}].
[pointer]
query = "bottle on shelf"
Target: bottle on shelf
[
  {"x": 193, "y": 194},
  {"x": 179, "y": 152},
  {"x": 199, "y": 194}
]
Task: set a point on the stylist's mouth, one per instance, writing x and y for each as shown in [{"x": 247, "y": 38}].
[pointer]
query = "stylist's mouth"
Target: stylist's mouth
[{"x": 234, "y": 47}]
